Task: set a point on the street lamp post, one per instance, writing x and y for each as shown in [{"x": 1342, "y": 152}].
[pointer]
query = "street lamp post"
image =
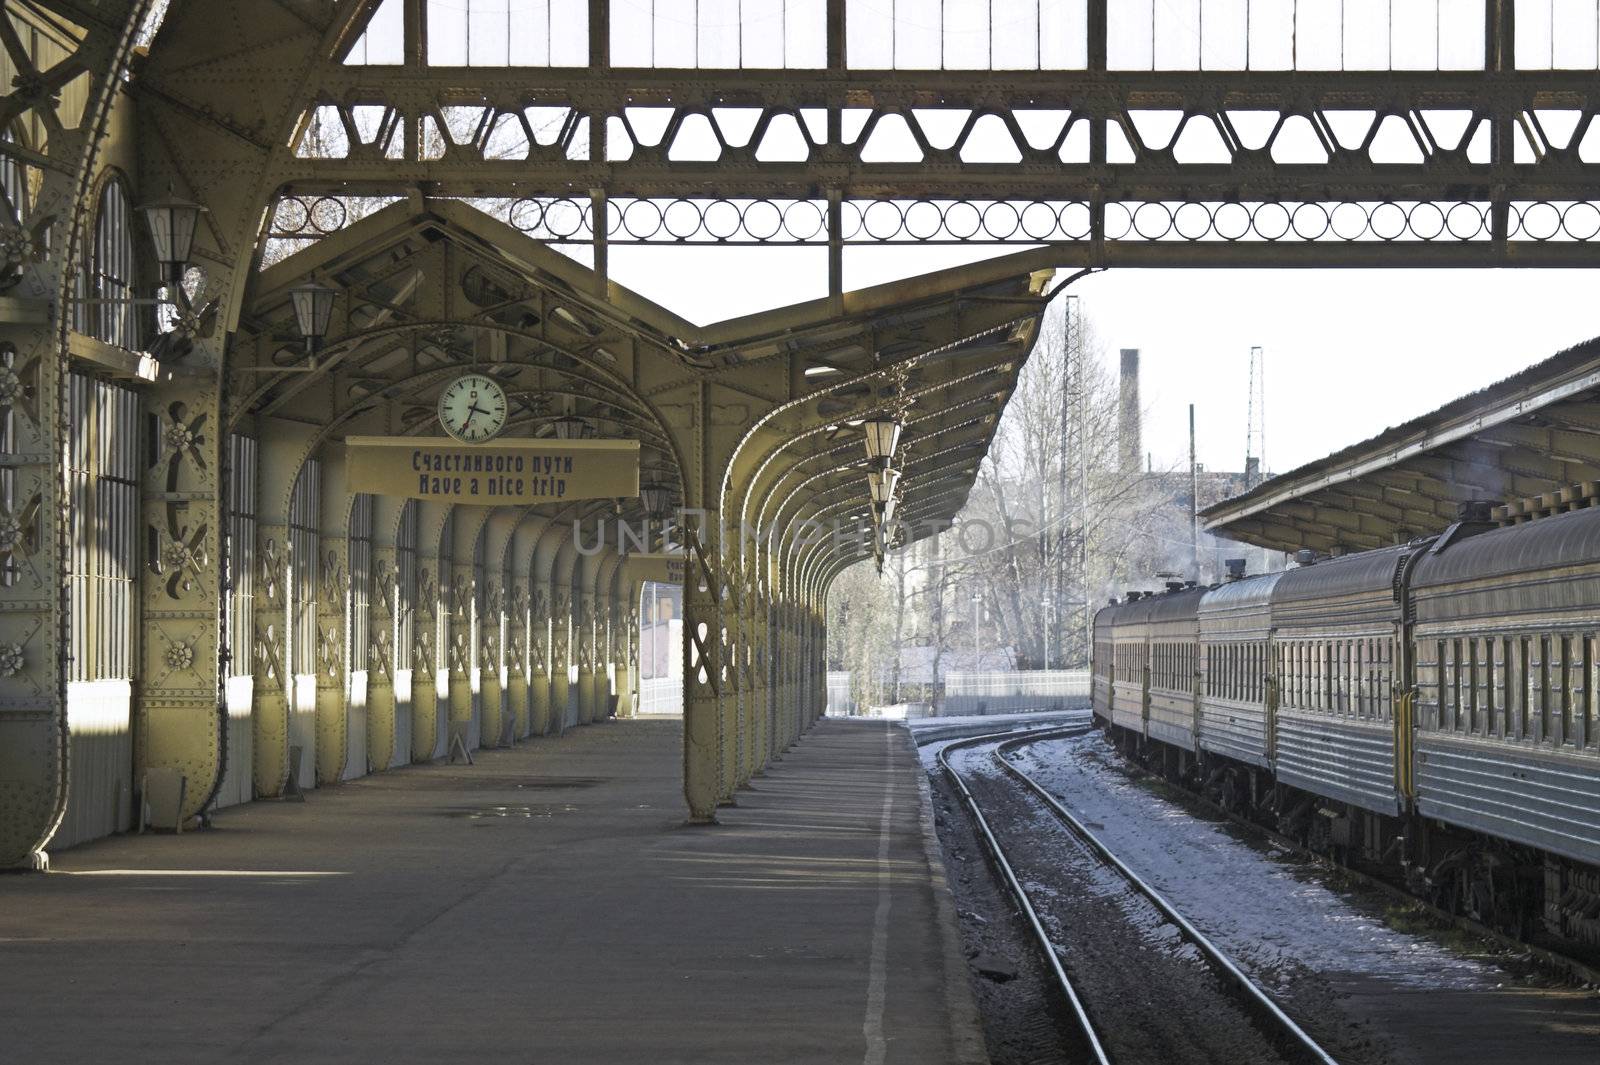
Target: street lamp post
[{"x": 977, "y": 643}]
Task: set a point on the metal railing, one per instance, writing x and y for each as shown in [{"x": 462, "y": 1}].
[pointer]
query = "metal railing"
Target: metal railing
[
  {"x": 840, "y": 702},
  {"x": 661, "y": 695},
  {"x": 1016, "y": 692}
]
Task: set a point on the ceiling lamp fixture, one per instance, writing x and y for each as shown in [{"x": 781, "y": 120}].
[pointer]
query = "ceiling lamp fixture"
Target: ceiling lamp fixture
[
  {"x": 883, "y": 436},
  {"x": 313, "y": 312},
  {"x": 883, "y": 482},
  {"x": 656, "y": 499},
  {"x": 172, "y": 222}
]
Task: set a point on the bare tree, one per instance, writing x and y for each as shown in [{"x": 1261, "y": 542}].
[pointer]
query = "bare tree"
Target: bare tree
[{"x": 1053, "y": 525}]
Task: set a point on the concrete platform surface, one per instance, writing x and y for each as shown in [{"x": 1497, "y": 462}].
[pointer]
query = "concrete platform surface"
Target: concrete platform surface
[{"x": 547, "y": 905}]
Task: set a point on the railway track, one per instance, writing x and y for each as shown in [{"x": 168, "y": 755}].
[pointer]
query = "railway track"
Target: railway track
[{"x": 1140, "y": 982}]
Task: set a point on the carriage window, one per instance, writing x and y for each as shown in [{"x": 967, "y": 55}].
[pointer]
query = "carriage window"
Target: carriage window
[
  {"x": 1535, "y": 721},
  {"x": 1457, "y": 668},
  {"x": 1442, "y": 686},
  {"x": 1587, "y": 713},
  {"x": 1520, "y": 687},
  {"x": 1498, "y": 660},
  {"x": 1363, "y": 659},
  {"x": 1325, "y": 665},
  {"x": 1342, "y": 676},
  {"x": 1564, "y": 682},
  {"x": 1477, "y": 707}
]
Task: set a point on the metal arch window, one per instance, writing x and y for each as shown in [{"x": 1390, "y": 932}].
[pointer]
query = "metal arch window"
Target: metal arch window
[
  {"x": 361, "y": 510},
  {"x": 305, "y": 545},
  {"x": 14, "y": 184},
  {"x": 8, "y": 476},
  {"x": 501, "y": 33},
  {"x": 103, "y": 511},
  {"x": 405, "y": 579},
  {"x": 243, "y": 471},
  {"x": 109, "y": 268}
]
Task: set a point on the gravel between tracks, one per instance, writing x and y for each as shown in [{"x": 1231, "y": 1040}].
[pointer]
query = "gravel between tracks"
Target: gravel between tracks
[
  {"x": 1153, "y": 997},
  {"x": 1024, "y": 1022}
]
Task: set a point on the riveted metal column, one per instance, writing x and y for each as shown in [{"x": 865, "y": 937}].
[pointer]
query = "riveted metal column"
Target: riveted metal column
[
  {"x": 333, "y": 625},
  {"x": 461, "y": 649},
  {"x": 541, "y": 638},
  {"x": 35, "y": 733},
  {"x": 627, "y": 648},
  {"x": 702, "y": 668},
  {"x": 382, "y": 709},
  {"x": 519, "y": 655},
  {"x": 591, "y": 660},
  {"x": 583, "y": 622},
  {"x": 606, "y": 672},
  {"x": 179, "y": 719},
  {"x": 755, "y": 640},
  {"x": 491, "y": 660},
  {"x": 494, "y": 630},
  {"x": 789, "y": 669},
  {"x": 539, "y": 668},
  {"x": 731, "y": 735},
  {"x": 430, "y": 679},
  {"x": 560, "y": 657},
  {"x": 283, "y": 451}
]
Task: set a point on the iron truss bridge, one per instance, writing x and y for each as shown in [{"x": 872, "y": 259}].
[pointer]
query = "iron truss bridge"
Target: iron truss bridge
[{"x": 1485, "y": 167}]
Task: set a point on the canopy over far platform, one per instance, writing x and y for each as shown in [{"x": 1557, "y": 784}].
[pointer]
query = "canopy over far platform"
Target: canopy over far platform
[{"x": 1534, "y": 433}]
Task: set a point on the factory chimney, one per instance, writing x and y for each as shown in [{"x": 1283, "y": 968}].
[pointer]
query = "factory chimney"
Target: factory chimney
[{"x": 1128, "y": 442}]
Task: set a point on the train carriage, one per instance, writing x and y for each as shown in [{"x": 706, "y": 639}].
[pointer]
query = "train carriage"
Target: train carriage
[
  {"x": 1337, "y": 627},
  {"x": 1130, "y": 655},
  {"x": 1506, "y": 632},
  {"x": 1235, "y": 625},
  {"x": 1103, "y": 673},
  {"x": 1173, "y": 631}
]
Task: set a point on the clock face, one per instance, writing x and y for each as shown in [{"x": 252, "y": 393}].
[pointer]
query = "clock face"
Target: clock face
[{"x": 472, "y": 408}]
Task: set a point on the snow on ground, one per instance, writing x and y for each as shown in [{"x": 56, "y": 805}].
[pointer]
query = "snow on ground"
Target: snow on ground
[{"x": 1271, "y": 910}]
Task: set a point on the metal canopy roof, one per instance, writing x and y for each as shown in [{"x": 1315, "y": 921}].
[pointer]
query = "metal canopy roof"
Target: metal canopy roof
[{"x": 1534, "y": 433}]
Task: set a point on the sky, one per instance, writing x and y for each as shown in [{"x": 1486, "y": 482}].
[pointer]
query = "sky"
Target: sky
[{"x": 1348, "y": 352}]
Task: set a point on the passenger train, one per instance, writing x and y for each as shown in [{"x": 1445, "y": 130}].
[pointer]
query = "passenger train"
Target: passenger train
[{"x": 1430, "y": 709}]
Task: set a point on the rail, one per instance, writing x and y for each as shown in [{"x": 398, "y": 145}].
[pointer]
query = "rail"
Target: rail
[
  {"x": 1011, "y": 740},
  {"x": 1213, "y": 953},
  {"x": 1018, "y": 892}
]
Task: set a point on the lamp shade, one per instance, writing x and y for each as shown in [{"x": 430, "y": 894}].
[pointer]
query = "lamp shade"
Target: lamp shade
[
  {"x": 171, "y": 222},
  {"x": 883, "y": 436},
  {"x": 882, "y": 482},
  {"x": 313, "y": 309},
  {"x": 655, "y": 498}
]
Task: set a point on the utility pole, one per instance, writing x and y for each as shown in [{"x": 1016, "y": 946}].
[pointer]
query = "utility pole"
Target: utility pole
[
  {"x": 1255, "y": 431},
  {"x": 977, "y": 644},
  {"x": 1069, "y": 366},
  {"x": 1194, "y": 501},
  {"x": 1081, "y": 389}
]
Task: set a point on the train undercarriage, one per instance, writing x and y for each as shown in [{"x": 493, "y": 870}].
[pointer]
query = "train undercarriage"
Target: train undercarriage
[{"x": 1528, "y": 895}]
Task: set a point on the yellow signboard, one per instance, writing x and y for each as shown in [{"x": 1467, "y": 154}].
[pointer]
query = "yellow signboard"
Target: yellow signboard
[
  {"x": 667, "y": 569},
  {"x": 497, "y": 474}
]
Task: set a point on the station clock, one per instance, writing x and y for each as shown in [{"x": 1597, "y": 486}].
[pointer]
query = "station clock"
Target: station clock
[{"x": 472, "y": 408}]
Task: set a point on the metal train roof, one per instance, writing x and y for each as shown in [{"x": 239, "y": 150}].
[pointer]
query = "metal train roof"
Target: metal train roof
[
  {"x": 1546, "y": 543},
  {"x": 1535, "y": 432}
]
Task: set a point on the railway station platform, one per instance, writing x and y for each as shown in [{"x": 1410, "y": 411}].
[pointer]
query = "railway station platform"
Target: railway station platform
[{"x": 545, "y": 905}]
